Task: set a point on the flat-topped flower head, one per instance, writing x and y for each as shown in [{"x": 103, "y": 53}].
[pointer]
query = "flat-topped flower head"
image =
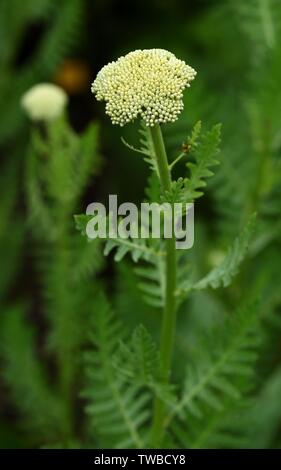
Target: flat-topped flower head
[
  {"x": 145, "y": 83},
  {"x": 44, "y": 102}
]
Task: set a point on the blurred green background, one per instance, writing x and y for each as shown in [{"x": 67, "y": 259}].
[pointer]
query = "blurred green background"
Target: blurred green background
[{"x": 235, "y": 46}]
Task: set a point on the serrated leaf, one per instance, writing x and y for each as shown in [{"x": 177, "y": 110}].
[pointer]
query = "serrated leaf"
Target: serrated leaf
[
  {"x": 117, "y": 408},
  {"x": 222, "y": 275},
  {"x": 209, "y": 381},
  {"x": 81, "y": 221},
  {"x": 153, "y": 281},
  {"x": 205, "y": 157}
]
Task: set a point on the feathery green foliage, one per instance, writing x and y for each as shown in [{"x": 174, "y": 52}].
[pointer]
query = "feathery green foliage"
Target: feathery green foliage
[
  {"x": 59, "y": 166},
  {"x": 205, "y": 152},
  {"x": 146, "y": 148},
  {"x": 222, "y": 275},
  {"x": 219, "y": 375},
  {"x": 31, "y": 390},
  {"x": 152, "y": 281},
  {"x": 137, "y": 361},
  {"x": 117, "y": 410},
  {"x": 71, "y": 161}
]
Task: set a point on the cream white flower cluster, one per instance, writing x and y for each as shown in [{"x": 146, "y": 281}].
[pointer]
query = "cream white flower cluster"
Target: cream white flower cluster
[
  {"x": 44, "y": 101},
  {"x": 144, "y": 83}
]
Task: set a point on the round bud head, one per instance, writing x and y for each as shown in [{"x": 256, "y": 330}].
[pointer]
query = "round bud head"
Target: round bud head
[{"x": 44, "y": 102}]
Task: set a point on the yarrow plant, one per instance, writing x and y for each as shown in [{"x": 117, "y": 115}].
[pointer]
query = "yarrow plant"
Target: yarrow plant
[
  {"x": 149, "y": 85},
  {"x": 59, "y": 164},
  {"x": 44, "y": 102}
]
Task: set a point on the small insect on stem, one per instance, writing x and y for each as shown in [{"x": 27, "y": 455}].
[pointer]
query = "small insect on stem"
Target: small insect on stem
[{"x": 185, "y": 147}]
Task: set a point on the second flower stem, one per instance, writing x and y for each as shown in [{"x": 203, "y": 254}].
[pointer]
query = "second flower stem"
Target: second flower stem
[{"x": 169, "y": 313}]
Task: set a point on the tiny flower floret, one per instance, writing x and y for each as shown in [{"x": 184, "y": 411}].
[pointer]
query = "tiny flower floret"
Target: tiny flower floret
[
  {"x": 144, "y": 83},
  {"x": 44, "y": 102}
]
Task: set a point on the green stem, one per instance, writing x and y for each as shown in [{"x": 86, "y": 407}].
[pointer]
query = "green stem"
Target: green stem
[{"x": 169, "y": 313}]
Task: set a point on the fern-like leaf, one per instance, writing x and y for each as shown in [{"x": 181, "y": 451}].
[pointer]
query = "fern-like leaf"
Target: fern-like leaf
[
  {"x": 222, "y": 275},
  {"x": 137, "y": 360},
  {"x": 205, "y": 156},
  {"x": 138, "y": 248},
  {"x": 152, "y": 282},
  {"x": 223, "y": 373},
  {"x": 43, "y": 412},
  {"x": 117, "y": 410},
  {"x": 148, "y": 148}
]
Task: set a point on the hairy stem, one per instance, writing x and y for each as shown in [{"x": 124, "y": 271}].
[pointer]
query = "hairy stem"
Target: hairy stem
[{"x": 169, "y": 313}]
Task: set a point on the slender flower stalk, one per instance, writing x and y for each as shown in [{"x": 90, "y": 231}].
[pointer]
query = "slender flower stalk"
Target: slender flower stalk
[{"x": 169, "y": 313}]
